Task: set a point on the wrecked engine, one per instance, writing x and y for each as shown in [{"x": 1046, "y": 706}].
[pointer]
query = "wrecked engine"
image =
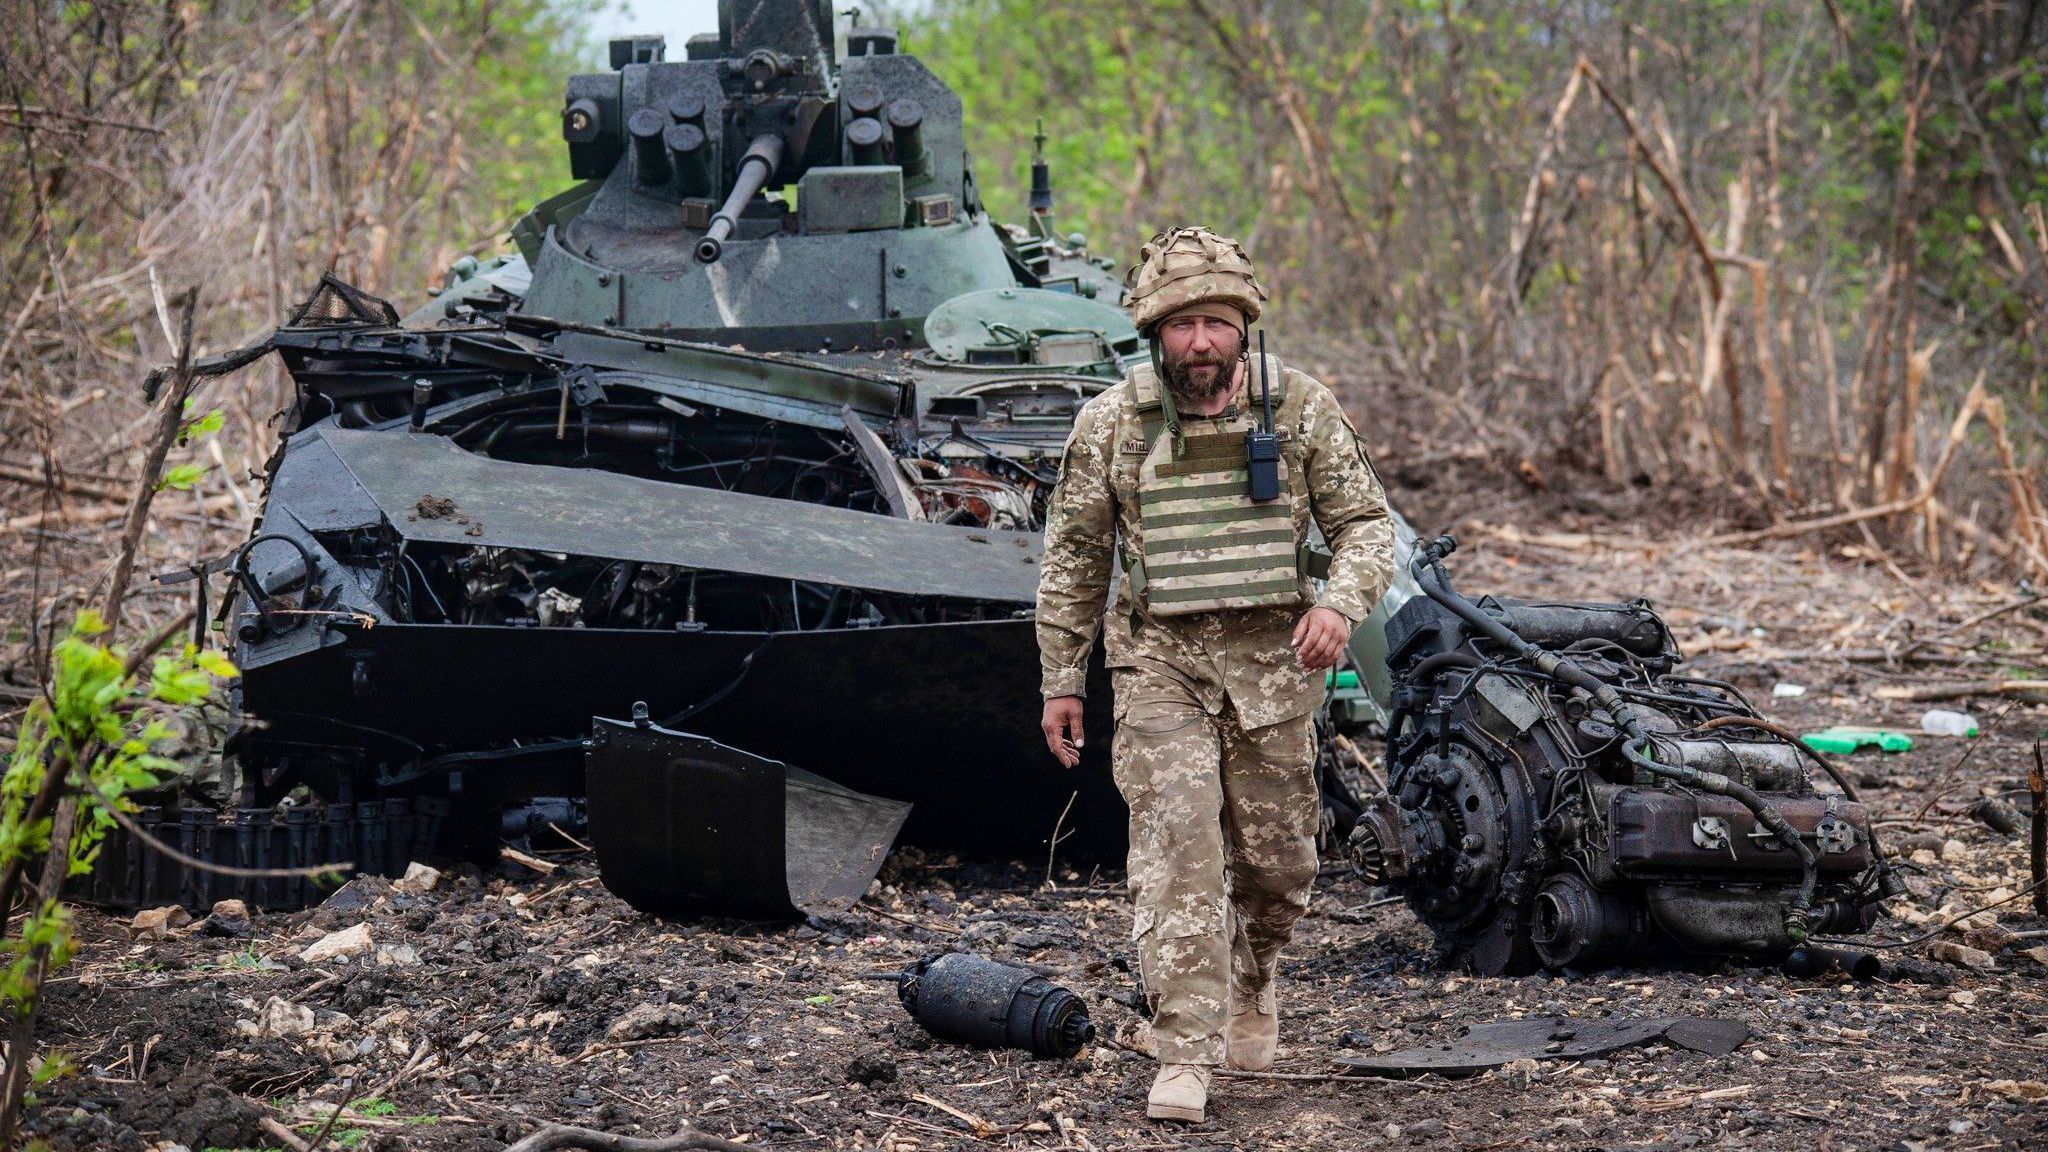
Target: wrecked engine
[{"x": 1558, "y": 793}]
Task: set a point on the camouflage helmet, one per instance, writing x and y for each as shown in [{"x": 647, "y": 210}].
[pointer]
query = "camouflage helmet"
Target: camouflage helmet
[{"x": 1184, "y": 266}]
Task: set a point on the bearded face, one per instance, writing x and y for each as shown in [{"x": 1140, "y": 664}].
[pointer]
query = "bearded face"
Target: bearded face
[{"x": 1196, "y": 377}]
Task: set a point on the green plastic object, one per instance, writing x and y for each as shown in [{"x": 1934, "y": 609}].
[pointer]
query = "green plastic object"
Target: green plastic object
[
  {"x": 1348, "y": 678},
  {"x": 1843, "y": 741}
]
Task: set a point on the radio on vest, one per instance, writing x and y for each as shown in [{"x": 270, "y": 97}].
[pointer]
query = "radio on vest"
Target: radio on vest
[{"x": 1261, "y": 447}]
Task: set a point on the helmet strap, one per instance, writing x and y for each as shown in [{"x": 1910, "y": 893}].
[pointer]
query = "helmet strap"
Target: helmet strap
[{"x": 1165, "y": 386}]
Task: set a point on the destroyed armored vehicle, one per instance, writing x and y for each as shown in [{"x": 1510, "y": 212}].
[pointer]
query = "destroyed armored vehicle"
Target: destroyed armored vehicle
[
  {"x": 712, "y": 518},
  {"x": 742, "y": 459},
  {"x": 712, "y": 514}
]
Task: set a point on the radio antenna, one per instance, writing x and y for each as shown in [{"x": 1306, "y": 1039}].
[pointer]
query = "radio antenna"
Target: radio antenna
[{"x": 1265, "y": 386}]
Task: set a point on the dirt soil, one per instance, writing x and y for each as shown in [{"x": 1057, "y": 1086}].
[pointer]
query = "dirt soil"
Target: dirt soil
[{"x": 501, "y": 1000}]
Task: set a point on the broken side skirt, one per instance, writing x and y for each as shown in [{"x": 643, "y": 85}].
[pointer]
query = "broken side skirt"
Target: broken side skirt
[{"x": 685, "y": 826}]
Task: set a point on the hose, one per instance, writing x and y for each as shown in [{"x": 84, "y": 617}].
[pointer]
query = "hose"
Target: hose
[
  {"x": 1888, "y": 883},
  {"x": 1787, "y": 735},
  {"x": 259, "y": 597},
  {"x": 1818, "y": 960},
  {"x": 1429, "y": 666},
  {"x": 1428, "y": 573},
  {"x": 1796, "y": 913}
]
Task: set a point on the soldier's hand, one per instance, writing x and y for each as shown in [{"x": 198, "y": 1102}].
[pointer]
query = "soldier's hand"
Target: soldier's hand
[
  {"x": 1319, "y": 638},
  {"x": 1062, "y": 726}
]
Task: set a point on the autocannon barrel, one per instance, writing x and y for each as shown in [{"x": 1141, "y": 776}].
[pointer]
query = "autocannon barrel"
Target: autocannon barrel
[{"x": 763, "y": 156}]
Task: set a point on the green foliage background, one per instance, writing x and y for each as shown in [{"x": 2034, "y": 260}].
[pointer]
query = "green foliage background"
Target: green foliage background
[
  {"x": 1418, "y": 188},
  {"x": 1377, "y": 157},
  {"x": 1432, "y": 113}
]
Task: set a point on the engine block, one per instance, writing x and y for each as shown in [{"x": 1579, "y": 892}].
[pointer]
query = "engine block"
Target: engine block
[{"x": 1560, "y": 794}]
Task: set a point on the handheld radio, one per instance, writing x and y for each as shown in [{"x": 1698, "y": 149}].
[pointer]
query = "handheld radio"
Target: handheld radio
[{"x": 1261, "y": 447}]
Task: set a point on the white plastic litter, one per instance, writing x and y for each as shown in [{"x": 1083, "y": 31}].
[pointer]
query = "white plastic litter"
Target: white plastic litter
[
  {"x": 1787, "y": 688},
  {"x": 1942, "y": 722}
]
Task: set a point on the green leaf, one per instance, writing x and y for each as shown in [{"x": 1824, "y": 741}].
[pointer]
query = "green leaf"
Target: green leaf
[
  {"x": 196, "y": 427},
  {"x": 181, "y": 477},
  {"x": 52, "y": 1067}
]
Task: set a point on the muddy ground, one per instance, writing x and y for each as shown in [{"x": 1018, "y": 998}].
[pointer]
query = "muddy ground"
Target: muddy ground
[{"x": 503, "y": 999}]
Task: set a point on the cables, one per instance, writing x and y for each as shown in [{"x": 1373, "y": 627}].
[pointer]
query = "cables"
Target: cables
[
  {"x": 1888, "y": 883},
  {"x": 1428, "y": 572},
  {"x": 1938, "y": 929},
  {"x": 424, "y": 583},
  {"x": 746, "y": 666}
]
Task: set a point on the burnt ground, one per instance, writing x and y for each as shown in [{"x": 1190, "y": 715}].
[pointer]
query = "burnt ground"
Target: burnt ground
[{"x": 500, "y": 1000}]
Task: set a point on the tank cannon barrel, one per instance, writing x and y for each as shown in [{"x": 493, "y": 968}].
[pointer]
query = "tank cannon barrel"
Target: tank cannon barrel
[{"x": 763, "y": 157}]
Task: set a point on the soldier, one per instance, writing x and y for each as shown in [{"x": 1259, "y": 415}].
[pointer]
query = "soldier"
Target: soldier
[{"x": 1217, "y": 668}]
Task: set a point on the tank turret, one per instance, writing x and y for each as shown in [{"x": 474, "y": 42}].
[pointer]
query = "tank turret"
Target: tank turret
[{"x": 763, "y": 191}]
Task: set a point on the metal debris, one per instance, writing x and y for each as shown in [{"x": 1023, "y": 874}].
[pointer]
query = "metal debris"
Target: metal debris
[{"x": 1492, "y": 1045}]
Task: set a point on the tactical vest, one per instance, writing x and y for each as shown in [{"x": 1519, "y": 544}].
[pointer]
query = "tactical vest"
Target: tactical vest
[{"x": 1207, "y": 544}]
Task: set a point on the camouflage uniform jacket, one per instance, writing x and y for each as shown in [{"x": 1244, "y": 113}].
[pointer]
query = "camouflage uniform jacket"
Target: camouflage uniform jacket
[{"x": 1244, "y": 655}]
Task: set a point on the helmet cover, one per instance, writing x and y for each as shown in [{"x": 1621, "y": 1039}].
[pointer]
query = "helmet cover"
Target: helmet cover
[{"x": 1191, "y": 265}]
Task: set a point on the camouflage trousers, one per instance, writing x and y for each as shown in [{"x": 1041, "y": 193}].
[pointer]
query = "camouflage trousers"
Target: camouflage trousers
[{"x": 1222, "y": 857}]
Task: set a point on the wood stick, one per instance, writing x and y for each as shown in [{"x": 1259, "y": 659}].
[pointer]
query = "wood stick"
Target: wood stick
[
  {"x": 1767, "y": 365},
  {"x": 2024, "y": 509},
  {"x": 283, "y": 1135},
  {"x": 1525, "y": 223},
  {"x": 1973, "y": 403},
  {"x": 1713, "y": 350},
  {"x": 534, "y": 862},
  {"x": 1917, "y": 363},
  {"x": 1052, "y": 846},
  {"x": 1822, "y": 524},
  {"x": 98, "y": 514},
  {"x": 558, "y": 1136},
  {"x": 169, "y": 420},
  {"x": 1693, "y": 231},
  {"x": 1972, "y": 622},
  {"x": 1924, "y": 692},
  {"x": 2037, "y": 840},
  {"x": 68, "y": 485},
  {"x": 980, "y": 1127}
]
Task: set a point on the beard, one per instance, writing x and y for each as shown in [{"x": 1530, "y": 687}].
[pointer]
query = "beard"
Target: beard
[{"x": 1198, "y": 378}]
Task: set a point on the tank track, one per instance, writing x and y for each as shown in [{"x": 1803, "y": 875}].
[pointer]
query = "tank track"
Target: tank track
[{"x": 380, "y": 837}]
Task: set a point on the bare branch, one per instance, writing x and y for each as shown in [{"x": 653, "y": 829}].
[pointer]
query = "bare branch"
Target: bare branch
[
  {"x": 559, "y": 1136},
  {"x": 170, "y": 418}
]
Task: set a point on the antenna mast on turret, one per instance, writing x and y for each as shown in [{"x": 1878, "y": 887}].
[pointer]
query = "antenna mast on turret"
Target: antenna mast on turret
[{"x": 1041, "y": 186}]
